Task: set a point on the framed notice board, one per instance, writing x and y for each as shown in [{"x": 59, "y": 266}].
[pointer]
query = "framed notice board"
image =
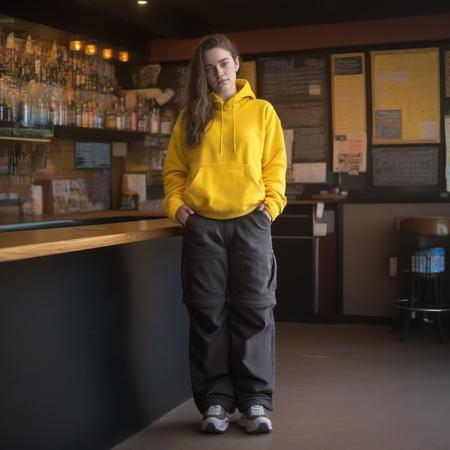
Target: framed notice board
[
  {"x": 405, "y": 166},
  {"x": 297, "y": 86},
  {"x": 373, "y": 115},
  {"x": 405, "y": 96}
]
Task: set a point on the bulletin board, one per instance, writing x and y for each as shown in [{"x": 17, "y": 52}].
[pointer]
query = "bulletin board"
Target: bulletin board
[
  {"x": 405, "y": 166},
  {"x": 297, "y": 86},
  {"x": 348, "y": 102},
  {"x": 405, "y": 96}
]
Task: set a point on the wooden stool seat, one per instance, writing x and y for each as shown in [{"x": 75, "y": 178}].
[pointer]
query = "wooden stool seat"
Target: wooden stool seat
[
  {"x": 421, "y": 242},
  {"x": 425, "y": 226}
]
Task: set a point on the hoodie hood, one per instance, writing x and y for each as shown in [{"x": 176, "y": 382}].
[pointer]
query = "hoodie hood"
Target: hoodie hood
[{"x": 243, "y": 94}]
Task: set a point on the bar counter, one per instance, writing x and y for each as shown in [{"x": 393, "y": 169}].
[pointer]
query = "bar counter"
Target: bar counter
[
  {"x": 16, "y": 245},
  {"x": 94, "y": 331}
]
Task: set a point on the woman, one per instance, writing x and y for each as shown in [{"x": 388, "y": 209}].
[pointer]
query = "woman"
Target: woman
[{"x": 224, "y": 182}]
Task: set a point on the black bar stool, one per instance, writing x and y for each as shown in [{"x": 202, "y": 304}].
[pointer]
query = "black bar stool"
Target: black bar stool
[{"x": 422, "y": 243}]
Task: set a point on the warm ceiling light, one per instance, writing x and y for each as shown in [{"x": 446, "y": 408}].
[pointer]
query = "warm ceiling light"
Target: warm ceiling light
[
  {"x": 142, "y": 2},
  {"x": 90, "y": 49},
  {"x": 123, "y": 56},
  {"x": 107, "y": 53},
  {"x": 75, "y": 45}
]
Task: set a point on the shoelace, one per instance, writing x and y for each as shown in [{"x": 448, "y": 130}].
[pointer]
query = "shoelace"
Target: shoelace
[
  {"x": 214, "y": 410},
  {"x": 257, "y": 410}
]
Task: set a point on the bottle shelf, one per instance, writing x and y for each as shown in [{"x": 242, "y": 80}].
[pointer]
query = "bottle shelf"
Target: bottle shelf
[
  {"x": 69, "y": 132},
  {"x": 12, "y": 131},
  {"x": 97, "y": 133}
]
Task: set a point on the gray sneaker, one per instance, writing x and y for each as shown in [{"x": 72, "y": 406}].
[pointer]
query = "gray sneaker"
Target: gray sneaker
[
  {"x": 255, "y": 421},
  {"x": 215, "y": 420}
]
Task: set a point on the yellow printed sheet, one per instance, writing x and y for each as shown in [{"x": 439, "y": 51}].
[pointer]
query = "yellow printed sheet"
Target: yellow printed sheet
[{"x": 405, "y": 96}]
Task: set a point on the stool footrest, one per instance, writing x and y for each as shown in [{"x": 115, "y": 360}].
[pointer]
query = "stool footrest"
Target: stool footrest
[{"x": 405, "y": 304}]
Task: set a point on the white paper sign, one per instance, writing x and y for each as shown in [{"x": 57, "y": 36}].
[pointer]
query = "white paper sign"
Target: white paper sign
[
  {"x": 289, "y": 142},
  {"x": 428, "y": 131},
  {"x": 310, "y": 172},
  {"x": 314, "y": 89},
  {"x": 135, "y": 182}
]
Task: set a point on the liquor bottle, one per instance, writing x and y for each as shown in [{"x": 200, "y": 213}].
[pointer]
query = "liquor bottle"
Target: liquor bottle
[
  {"x": 133, "y": 121},
  {"x": 98, "y": 117},
  {"x": 71, "y": 114},
  {"x": 37, "y": 68},
  {"x": 2, "y": 109},
  {"x": 154, "y": 118},
  {"x": 141, "y": 116},
  {"x": 54, "y": 119},
  {"x": 78, "y": 74},
  {"x": 62, "y": 109},
  {"x": 121, "y": 114},
  {"x": 78, "y": 114},
  {"x": 33, "y": 113},
  {"x": 166, "y": 121},
  {"x": 85, "y": 115},
  {"x": 42, "y": 116},
  {"x": 111, "y": 118},
  {"x": 24, "y": 113}
]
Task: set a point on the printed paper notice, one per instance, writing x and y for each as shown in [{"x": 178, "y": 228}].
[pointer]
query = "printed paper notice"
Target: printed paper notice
[
  {"x": 429, "y": 131},
  {"x": 388, "y": 124},
  {"x": 289, "y": 143},
  {"x": 310, "y": 172},
  {"x": 406, "y": 96},
  {"x": 314, "y": 89},
  {"x": 349, "y": 113},
  {"x": 350, "y": 153},
  {"x": 135, "y": 183}
]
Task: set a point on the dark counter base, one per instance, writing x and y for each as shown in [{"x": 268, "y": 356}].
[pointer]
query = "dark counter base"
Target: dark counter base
[{"x": 93, "y": 345}]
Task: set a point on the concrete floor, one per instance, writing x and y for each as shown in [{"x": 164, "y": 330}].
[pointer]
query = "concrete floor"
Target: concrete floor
[{"x": 339, "y": 387}]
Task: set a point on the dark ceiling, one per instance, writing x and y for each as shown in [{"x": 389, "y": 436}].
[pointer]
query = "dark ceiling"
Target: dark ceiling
[
  {"x": 183, "y": 18},
  {"x": 123, "y": 22}
]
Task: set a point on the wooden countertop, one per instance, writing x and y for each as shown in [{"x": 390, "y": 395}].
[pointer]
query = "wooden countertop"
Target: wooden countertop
[
  {"x": 18, "y": 245},
  {"x": 6, "y": 219}
]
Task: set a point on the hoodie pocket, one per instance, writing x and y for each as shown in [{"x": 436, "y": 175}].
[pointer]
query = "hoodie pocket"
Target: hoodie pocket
[{"x": 225, "y": 189}]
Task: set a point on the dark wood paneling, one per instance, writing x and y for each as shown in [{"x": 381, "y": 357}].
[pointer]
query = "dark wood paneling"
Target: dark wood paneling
[{"x": 93, "y": 345}]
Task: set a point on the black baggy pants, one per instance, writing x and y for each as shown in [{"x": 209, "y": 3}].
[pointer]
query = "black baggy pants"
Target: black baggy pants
[{"x": 229, "y": 280}]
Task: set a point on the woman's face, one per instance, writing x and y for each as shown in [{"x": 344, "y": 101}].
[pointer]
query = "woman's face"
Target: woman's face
[{"x": 221, "y": 68}]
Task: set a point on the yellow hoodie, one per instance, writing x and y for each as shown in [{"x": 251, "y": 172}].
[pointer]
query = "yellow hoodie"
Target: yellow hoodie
[{"x": 240, "y": 163}]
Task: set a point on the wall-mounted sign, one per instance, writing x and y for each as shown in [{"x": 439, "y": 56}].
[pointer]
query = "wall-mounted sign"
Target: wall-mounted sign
[
  {"x": 92, "y": 155},
  {"x": 405, "y": 96}
]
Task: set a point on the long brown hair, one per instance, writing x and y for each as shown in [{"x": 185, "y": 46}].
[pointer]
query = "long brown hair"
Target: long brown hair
[{"x": 199, "y": 106}]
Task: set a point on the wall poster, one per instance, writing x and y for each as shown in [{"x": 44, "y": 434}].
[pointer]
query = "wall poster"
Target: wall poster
[
  {"x": 348, "y": 94},
  {"x": 405, "y": 96}
]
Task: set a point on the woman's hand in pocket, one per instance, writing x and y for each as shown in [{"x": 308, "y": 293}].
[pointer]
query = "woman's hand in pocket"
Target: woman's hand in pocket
[
  {"x": 262, "y": 207},
  {"x": 183, "y": 212}
]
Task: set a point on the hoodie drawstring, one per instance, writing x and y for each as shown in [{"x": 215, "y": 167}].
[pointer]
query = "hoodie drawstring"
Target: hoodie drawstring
[
  {"x": 234, "y": 125},
  {"x": 221, "y": 129},
  {"x": 243, "y": 92}
]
